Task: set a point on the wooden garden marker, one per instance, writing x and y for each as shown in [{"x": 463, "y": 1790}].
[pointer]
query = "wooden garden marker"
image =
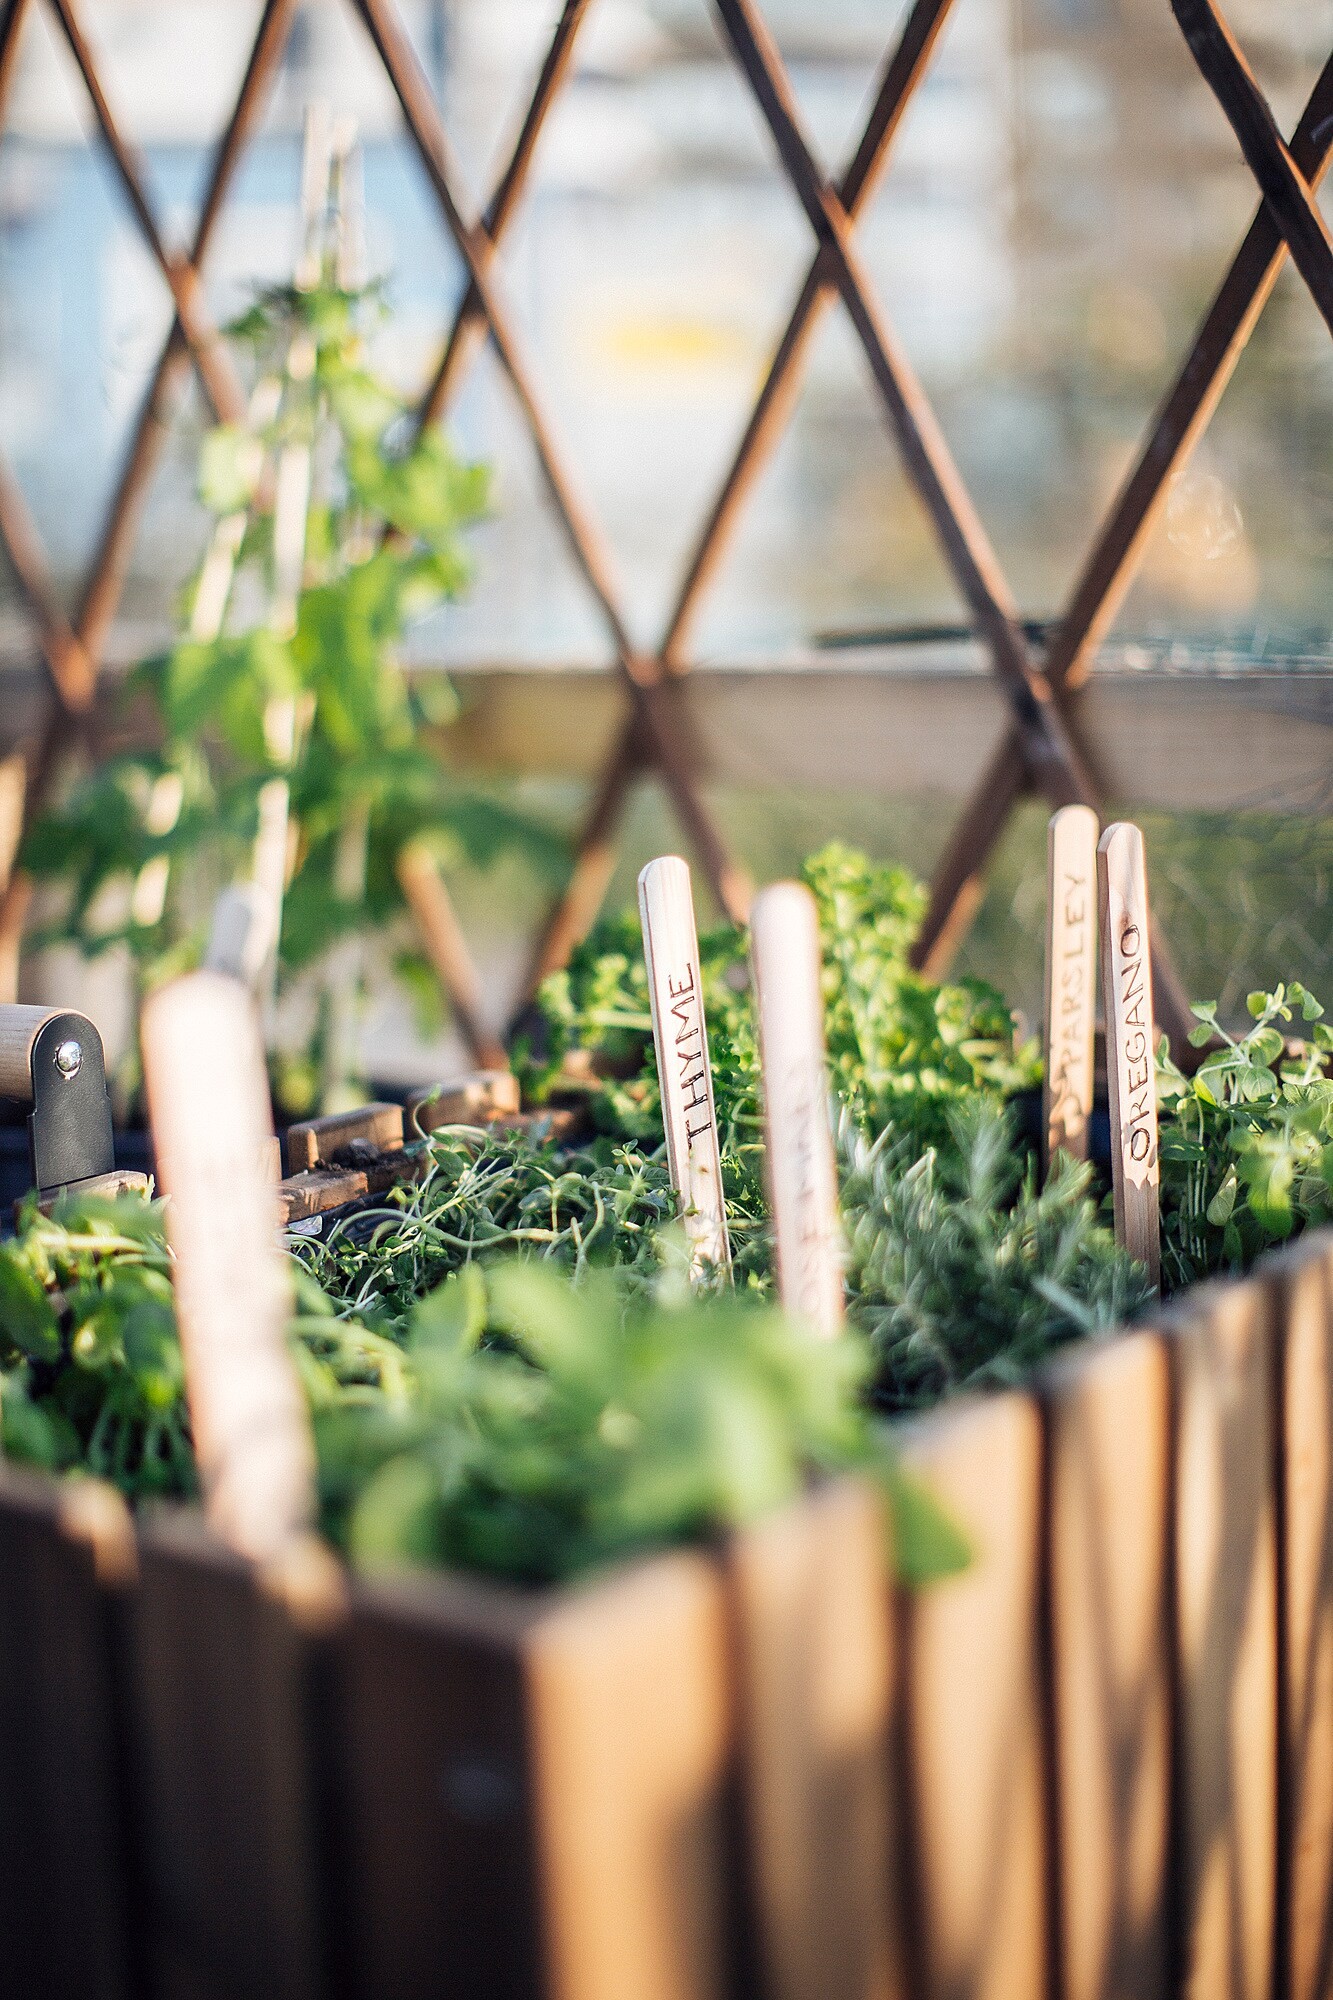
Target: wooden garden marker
[
  {"x": 802, "y": 1178},
  {"x": 209, "y": 1109},
  {"x": 1071, "y": 979},
  {"x": 671, "y": 950},
  {"x": 1131, "y": 1064}
]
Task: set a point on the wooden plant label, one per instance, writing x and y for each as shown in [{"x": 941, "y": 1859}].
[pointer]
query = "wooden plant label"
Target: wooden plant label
[
  {"x": 802, "y": 1178},
  {"x": 1131, "y": 1064},
  {"x": 1071, "y": 979},
  {"x": 208, "y": 1105},
  {"x": 671, "y": 950}
]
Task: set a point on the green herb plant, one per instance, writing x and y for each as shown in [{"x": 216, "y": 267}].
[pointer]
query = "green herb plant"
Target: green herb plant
[
  {"x": 520, "y": 1419},
  {"x": 1247, "y": 1141},
  {"x": 144, "y": 843},
  {"x": 901, "y": 1049},
  {"x": 965, "y": 1273}
]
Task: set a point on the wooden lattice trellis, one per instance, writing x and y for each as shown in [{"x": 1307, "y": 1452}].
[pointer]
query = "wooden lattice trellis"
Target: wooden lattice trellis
[{"x": 1042, "y": 749}]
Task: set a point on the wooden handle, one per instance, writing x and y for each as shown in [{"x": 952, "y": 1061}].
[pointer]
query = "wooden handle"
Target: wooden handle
[
  {"x": 209, "y": 1107},
  {"x": 1071, "y": 979},
  {"x": 1131, "y": 1063},
  {"x": 19, "y": 1028},
  {"x": 671, "y": 949},
  {"x": 802, "y": 1177}
]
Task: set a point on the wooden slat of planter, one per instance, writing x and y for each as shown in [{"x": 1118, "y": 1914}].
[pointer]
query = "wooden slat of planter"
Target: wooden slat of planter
[
  {"x": 222, "y": 1677},
  {"x": 534, "y": 1788},
  {"x": 976, "y": 1842},
  {"x": 1303, "y": 1281},
  {"x": 317, "y": 1141},
  {"x": 1108, "y": 1415},
  {"x": 473, "y": 1100},
  {"x": 812, "y": 1611},
  {"x": 1222, "y": 1350},
  {"x": 67, "y": 1914}
]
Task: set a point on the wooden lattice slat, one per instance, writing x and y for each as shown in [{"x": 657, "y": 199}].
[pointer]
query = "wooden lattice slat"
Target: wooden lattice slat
[{"x": 1041, "y": 749}]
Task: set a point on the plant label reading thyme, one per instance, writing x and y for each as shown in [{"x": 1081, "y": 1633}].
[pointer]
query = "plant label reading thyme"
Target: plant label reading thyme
[
  {"x": 802, "y": 1179},
  {"x": 1071, "y": 979},
  {"x": 208, "y": 1104},
  {"x": 671, "y": 951},
  {"x": 1131, "y": 1064}
]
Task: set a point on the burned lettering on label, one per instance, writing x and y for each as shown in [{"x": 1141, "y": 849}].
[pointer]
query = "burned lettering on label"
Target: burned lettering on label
[
  {"x": 1075, "y": 913},
  {"x": 696, "y": 1089},
  {"x": 1135, "y": 1063}
]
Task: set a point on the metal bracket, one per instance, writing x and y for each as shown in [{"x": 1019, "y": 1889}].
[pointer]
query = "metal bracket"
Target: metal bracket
[{"x": 53, "y": 1061}]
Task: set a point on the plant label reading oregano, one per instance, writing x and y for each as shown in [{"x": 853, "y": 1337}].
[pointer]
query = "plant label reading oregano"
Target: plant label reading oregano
[
  {"x": 1131, "y": 1063},
  {"x": 1071, "y": 979},
  {"x": 208, "y": 1104},
  {"x": 802, "y": 1178},
  {"x": 671, "y": 952}
]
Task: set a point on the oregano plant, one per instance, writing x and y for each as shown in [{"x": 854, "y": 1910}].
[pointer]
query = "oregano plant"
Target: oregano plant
[{"x": 1247, "y": 1142}]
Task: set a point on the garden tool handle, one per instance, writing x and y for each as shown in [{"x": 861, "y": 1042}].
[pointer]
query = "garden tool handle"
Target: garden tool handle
[{"x": 51, "y": 1061}]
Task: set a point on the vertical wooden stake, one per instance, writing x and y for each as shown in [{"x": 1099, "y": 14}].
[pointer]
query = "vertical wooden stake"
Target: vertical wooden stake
[
  {"x": 209, "y": 1109},
  {"x": 1071, "y": 980},
  {"x": 1131, "y": 1061},
  {"x": 802, "y": 1177},
  {"x": 671, "y": 949}
]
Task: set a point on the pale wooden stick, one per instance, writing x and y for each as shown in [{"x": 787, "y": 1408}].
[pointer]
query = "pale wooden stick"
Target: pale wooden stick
[
  {"x": 1131, "y": 1061},
  {"x": 802, "y": 1177},
  {"x": 208, "y": 1105},
  {"x": 13, "y": 787},
  {"x": 1071, "y": 980},
  {"x": 671, "y": 950}
]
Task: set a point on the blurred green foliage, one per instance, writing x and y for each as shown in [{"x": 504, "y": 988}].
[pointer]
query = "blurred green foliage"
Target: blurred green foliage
[{"x": 143, "y": 844}]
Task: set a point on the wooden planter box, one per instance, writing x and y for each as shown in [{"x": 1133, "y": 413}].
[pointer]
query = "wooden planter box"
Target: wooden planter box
[{"x": 1100, "y": 1763}]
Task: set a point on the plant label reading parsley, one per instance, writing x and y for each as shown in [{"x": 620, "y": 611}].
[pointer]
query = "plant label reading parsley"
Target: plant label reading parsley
[
  {"x": 675, "y": 983},
  {"x": 208, "y": 1104},
  {"x": 1130, "y": 1043},
  {"x": 802, "y": 1180},
  {"x": 1071, "y": 979}
]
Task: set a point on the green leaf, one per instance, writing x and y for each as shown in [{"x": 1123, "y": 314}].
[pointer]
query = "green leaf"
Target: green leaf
[
  {"x": 452, "y": 1317},
  {"x": 230, "y": 462},
  {"x": 27, "y": 1317},
  {"x": 928, "y": 1546},
  {"x": 1224, "y": 1201},
  {"x": 394, "y": 1521},
  {"x": 1265, "y": 1045}
]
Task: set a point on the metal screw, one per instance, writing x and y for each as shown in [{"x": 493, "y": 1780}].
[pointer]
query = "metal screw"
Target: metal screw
[{"x": 69, "y": 1058}]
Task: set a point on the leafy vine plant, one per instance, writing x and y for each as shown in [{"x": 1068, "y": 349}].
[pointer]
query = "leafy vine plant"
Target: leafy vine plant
[{"x": 284, "y": 718}]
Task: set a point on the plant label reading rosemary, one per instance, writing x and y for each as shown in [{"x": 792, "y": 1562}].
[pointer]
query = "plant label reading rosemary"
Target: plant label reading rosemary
[
  {"x": 671, "y": 951},
  {"x": 1071, "y": 979},
  {"x": 802, "y": 1178},
  {"x": 1131, "y": 1062},
  {"x": 209, "y": 1107}
]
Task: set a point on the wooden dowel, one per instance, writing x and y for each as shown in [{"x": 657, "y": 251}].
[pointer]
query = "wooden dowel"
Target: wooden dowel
[
  {"x": 1131, "y": 1061},
  {"x": 671, "y": 950},
  {"x": 208, "y": 1105},
  {"x": 1071, "y": 980},
  {"x": 799, "y": 1163}
]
